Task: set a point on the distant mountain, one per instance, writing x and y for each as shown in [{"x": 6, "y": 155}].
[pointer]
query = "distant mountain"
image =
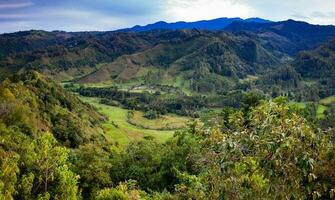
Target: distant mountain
[
  {"x": 215, "y": 24},
  {"x": 296, "y": 35},
  {"x": 203, "y": 61}
]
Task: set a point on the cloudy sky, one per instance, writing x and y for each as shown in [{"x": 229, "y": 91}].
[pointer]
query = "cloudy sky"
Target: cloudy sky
[{"x": 82, "y": 15}]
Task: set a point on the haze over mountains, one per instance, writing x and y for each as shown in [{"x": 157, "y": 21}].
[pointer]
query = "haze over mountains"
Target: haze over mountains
[{"x": 214, "y": 24}]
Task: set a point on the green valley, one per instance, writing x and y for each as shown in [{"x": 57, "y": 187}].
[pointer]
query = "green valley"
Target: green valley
[{"x": 123, "y": 130}]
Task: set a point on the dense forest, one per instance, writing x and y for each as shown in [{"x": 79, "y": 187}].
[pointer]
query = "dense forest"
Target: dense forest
[{"x": 242, "y": 113}]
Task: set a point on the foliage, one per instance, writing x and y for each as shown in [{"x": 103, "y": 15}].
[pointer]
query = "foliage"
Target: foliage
[
  {"x": 266, "y": 149},
  {"x": 34, "y": 169},
  {"x": 152, "y": 103},
  {"x": 33, "y": 103}
]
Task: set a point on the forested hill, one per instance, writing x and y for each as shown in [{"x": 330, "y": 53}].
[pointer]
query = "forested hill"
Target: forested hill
[
  {"x": 40, "y": 125},
  {"x": 319, "y": 65},
  {"x": 300, "y": 35},
  {"x": 32, "y": 104},
  {"x": 223, "y": 54}
]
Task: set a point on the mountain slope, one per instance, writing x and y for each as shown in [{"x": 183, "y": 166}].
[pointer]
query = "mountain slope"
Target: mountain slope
[
  {"x": 34, "y": 104},
  {"x": 199, "y": 57},
  {"x": 64, "y": 55},
  {"x": 301, "y": 35},
  {"x": 319, "y": 66}
]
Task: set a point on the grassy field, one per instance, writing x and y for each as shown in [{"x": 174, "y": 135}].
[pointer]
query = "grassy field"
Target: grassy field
[
  {"x": 321, "y": 107},
  {"x": 327, "y": 101},
  {"x": 118, "y": 127},
  {"x": 300, "y": 105},
  {"x": 320, "y": 111},
  {"x": 166, "y": 122}
]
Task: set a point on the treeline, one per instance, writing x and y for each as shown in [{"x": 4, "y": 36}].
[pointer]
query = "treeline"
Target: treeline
[{"x": 152, "y": 103}]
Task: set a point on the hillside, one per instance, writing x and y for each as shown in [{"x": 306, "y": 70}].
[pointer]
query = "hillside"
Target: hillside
[
  {"x": 33, "y": 104},
  {"x": 299, "y": 35},
  {"x": 64, "y": 56},
  {"x": 319, "y": 66},
  {"x": 197, "y": 55},
  {"x": 70, "y": 55},
  {"x": 246, "y": 56}
]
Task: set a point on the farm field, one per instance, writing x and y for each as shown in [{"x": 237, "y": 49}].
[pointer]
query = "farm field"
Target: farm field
[
  {"x": 123, "y": 132},
  {"x": 166, "y": 122},
  {"x": 322, "y": 105}
]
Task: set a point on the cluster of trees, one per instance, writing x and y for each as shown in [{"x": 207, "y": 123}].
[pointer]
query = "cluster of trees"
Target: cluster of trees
[
  {"x": 157, "y": 103},
  {"x": 33, "y": 103},
  {"x": 33, "y": 164}
]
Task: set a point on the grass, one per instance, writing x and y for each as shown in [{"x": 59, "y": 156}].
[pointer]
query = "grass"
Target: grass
[
  {"x": 327, "y": 101},
  {"x": 321, "y": 107},
  {"x": 300, "y": 105},
  {"x": 320, "y": 111},
  {"x": 166, "y": 122},
  {"x": 118, "y": 127},
  {"x": 249, "y": 78}
]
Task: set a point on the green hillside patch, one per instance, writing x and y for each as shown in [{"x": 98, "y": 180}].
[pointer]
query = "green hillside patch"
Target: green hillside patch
[
  {"x": 320, "y": 111},
  {"x": 300, "y": 105},
  {"x": 327, "y": 101},
  {"x": 165, "y": 122},
  {"x": 120, "y": 129}
]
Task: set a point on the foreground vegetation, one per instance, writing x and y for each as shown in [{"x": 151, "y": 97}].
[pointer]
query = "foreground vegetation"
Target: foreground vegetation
[{"x": 266, "y": 149}]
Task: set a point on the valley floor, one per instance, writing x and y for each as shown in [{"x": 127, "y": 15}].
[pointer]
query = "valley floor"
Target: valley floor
[{"x": 122, "y": 130}]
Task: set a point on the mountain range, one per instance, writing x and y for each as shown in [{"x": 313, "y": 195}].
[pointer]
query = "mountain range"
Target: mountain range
[
  {"x": 246, "y": 54},
  {"x": 215, "y": 24}
]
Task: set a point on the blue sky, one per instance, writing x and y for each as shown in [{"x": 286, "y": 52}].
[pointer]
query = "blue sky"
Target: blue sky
[{"x": 90, "y": 15}]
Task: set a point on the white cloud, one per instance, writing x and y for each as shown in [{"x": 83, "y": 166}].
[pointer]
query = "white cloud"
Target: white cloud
[
  {"x": 15, "y": 5},
  {"x": 12, "y": 16},
  {"x": 276, "y": 10},
  {"x": 206, "y": 9},
  {"x": 74, "y": 20},
  {"x": 84, "y": 15},
  {"x": 296, "y": 9}
]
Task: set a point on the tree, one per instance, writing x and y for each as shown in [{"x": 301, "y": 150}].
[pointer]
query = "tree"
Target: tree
[
  {"x": 9, "y": 170},
  {"x": 92, "y": 163},
  {"x": 274, "y": 157},
  {"x": 47, "y": 171}
]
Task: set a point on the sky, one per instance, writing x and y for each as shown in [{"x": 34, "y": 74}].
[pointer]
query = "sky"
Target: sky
[{"x": 102, "y": 15}]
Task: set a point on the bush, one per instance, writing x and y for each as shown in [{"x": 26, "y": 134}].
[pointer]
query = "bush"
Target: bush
[
  {"x": 111, "y": 194},
  {"x": 151, "y": 114}
]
